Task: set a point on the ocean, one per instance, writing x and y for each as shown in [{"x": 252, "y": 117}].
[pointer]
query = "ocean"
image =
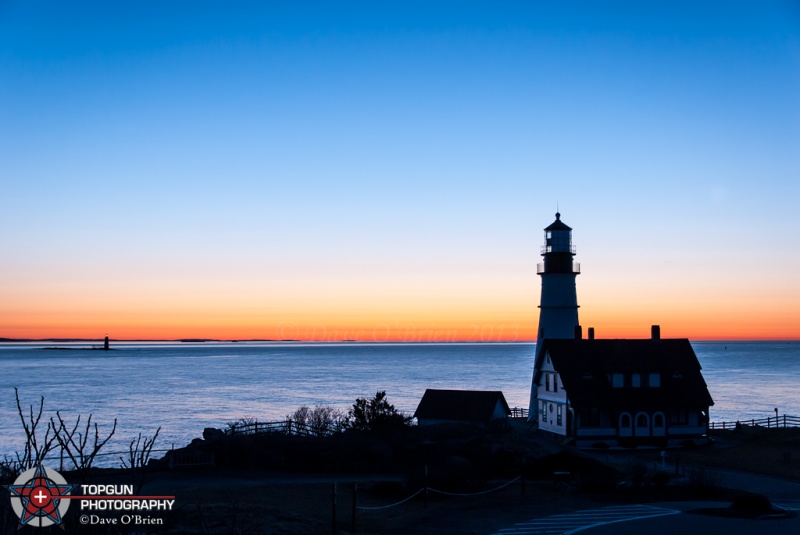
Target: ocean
[{"x": 186, "y": 387}]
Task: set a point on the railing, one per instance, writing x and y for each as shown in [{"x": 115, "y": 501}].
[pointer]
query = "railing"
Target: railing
[
  {"x": 519, "y": 412},
  {"x": 558, "y": 249},
  {"x": 285, "y": 427},
  {"x": 769, "y": 422}
]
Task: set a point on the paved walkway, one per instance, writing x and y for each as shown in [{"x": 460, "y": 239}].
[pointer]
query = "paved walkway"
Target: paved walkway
[
  {"x": 577, "y": 520},
  {"x": 782, "y": 493}
]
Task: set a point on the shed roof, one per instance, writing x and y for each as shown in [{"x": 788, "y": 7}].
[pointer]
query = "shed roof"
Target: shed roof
[
  {"x": 585, "y": 367},
  {"x": 460, "y": 405}
]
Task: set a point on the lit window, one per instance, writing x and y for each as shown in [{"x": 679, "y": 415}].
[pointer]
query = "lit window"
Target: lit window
[
  {"x": 617, "y": 380},
  {"x": 654, "y": 380},
  {"x": 636, "y": 380}
]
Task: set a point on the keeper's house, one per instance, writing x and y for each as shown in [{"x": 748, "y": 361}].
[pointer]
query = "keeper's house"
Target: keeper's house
[{"x": 622, "y": 392}]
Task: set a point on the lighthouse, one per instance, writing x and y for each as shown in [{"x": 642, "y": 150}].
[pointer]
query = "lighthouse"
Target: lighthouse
[{"x": 558, "y": 308}]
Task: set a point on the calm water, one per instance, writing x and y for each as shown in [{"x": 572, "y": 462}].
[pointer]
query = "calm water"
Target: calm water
[{"x": 186, "y": 387}]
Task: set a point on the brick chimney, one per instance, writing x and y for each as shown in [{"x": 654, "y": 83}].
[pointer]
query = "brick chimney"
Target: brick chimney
[{"x": 591, "y": 333}]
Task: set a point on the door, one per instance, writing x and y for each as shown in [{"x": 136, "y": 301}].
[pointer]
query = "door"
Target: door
[{"x": 642, "y": 425}]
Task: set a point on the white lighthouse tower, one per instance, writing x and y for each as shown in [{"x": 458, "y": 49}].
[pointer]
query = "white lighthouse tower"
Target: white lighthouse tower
[{"x": 558, "y": 308}]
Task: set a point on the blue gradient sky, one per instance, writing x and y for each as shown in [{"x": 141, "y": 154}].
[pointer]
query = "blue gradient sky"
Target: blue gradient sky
[{"x": 200, "y": 170}]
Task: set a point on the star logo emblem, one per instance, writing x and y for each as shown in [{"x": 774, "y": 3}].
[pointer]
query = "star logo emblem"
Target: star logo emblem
[{"x": 36, "y": 497}]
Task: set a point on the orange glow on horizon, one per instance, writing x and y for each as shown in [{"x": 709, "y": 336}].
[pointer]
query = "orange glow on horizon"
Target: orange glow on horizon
[
  {"x": 449, "y": 309},
  {"x": 405, "y": 330}
]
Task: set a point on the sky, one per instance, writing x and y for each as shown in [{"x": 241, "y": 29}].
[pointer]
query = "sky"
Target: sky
[{"x": 384, "y": 170}]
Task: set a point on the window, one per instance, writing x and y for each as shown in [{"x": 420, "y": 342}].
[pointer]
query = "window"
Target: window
[
  {"x": 551, "y": 382},
  {"x": 558, "y": 415},
  {"x": 544, "y": 410},
  {"x": 617, "y": 380},
  {"x": 654, "y": 380},
  {"x": 636, "y": 380},
  {"x": 641, "y": 420},
  {"x": 679, "y": 417},
  {"x": 658, "y": 420},
  {"x": 625, "y": 420}
]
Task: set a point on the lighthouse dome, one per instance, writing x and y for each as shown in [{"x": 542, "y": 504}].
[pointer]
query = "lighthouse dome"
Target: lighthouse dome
[{"x": 558, "y": 224}]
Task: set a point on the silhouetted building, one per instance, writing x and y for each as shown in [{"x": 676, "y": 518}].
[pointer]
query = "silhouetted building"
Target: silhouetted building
[
  {"x": 621, "y": 392},
  {"x": 558, "y": 307},
  {"x": 459, "y": 407}
]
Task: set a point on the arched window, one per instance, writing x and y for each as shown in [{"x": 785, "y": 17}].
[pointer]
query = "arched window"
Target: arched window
[
  {"x": 625, "y": 420},
  {"x": 641, "y": 420},
  {"x": 658, "y": 420}
]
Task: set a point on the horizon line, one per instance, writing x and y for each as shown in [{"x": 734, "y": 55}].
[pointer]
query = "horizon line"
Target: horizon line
[{"x": 433, "y": 341}]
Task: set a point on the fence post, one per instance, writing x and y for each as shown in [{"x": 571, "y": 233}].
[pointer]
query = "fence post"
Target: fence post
[
  {"x": 333, "y": 509},
  {"x": 355, "y": 502},
  {"x": 426, "y": 486}
]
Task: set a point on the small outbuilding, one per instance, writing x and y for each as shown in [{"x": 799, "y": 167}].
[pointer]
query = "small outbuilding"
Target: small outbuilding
[{"x": 462, "y": 407}]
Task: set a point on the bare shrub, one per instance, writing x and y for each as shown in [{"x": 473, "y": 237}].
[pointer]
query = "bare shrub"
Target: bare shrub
[
  {"x": 138, "y": 458},
  {"x": 319, "y": 421},
  {"x": 76, "y": 443},
  {"x": 36, "y": 448}
]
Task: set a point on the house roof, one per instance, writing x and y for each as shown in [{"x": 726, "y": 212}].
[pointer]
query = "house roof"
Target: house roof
[
  {"x": 585, "y": 367},
  {"x": 460, "y": 405}
]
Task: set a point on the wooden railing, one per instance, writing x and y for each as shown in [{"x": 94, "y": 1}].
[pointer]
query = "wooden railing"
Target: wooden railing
[
  {"x": 771, "y": 421},
  {"x": 285, "y": 427},
  {"x": 519, "y": 412}
]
